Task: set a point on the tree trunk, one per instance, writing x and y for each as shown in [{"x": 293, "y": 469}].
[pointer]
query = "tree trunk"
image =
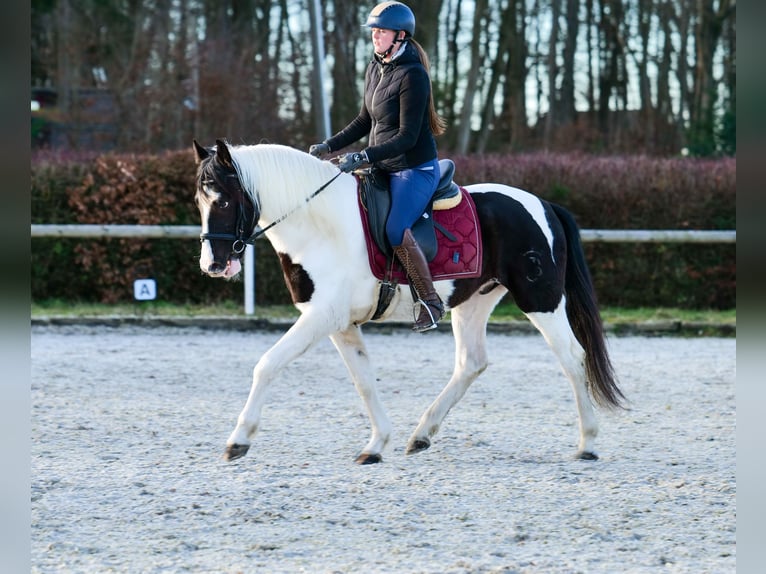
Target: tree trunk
[
  {"x": 345, "y": 73},
  {"x": 426, "y": 26},
  {"x": 566, "y": 105},
  {"x": 454, "y": 72},
  {"x": 645, "y": 11},
  {"x": 464, "y": 124},
  {"x": 707, "y": 34},
  {"x": 591, "y": 53},
  {"x": 499, "y": 67},
  {"x": 664, "y": 110},
  {"x": 551, "y": 120}
]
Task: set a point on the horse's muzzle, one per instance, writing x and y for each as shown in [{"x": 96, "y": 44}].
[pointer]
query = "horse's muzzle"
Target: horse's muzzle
[{"x": 230, "y": 269}]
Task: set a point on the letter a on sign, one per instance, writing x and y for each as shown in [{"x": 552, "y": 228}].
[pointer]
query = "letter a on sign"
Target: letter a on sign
[{"x": 145, "y": 289}]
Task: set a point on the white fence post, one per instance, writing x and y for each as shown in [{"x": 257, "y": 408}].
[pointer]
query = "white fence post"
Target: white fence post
[{"x": 249, "y": 271}]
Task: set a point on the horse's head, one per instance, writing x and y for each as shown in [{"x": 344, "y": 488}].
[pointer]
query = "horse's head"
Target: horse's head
[{"x": 227, "y": 212}]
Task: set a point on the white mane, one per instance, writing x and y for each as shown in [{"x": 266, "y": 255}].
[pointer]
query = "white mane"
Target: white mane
[{"x": 280, "y": 178}]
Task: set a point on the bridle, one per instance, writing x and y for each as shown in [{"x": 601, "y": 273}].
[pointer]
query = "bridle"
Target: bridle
[
  {"x": 246, "y": 234},
  {"x": 243, "y": 231}
]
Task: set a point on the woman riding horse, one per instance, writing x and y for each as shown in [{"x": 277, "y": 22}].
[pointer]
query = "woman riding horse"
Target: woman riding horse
[{"x": 399, "y": 116}]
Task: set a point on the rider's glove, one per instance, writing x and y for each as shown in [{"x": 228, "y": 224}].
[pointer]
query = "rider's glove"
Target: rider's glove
[
  {"x": 348, "y": 162},
  {"x": 320, "y": 149}
]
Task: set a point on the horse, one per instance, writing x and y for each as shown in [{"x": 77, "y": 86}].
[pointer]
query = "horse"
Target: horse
[{"x": 308, "y": 210}]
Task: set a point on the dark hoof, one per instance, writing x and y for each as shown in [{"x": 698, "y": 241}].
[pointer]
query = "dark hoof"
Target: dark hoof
[
  {"x": 585, "y": 455},
  {"x": 417, "y": 445},
  {"x": 365, "y": 458},
  {"x": 235, "y": 451}
]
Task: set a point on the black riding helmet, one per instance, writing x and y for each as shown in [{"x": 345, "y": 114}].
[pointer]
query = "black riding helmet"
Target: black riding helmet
[{"x": 392, "y": 16}]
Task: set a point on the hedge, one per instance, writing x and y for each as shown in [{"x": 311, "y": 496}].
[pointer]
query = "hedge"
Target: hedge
[{"x": 602, "y": 192}]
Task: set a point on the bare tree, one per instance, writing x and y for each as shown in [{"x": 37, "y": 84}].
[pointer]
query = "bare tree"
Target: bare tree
[
  {"x": 552, "y": 73},
  {"x": 566, "y": 99},
  {"x": 628, "y": 74},
  {"x": 343, "y": 38},
  {"x": 500, "y": 65},
  {"x": 450, "y": 82},
  {"x": 426, "y": 26},
  {"x": 707, "y": 34},
  {"x": 515, "y": 97},
  {"x": 470, "y": 91},
  {"x": 665, "y": 139},
  {"x": 613, "y": 76}
]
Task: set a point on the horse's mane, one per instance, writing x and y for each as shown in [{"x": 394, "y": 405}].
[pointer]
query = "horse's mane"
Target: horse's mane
[{"x": 278, "y": 177}]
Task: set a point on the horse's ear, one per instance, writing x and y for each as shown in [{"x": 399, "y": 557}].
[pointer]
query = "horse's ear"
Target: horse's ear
[
  {"x": 200, "y": 153},
  {"x": 222, "y": 151}
]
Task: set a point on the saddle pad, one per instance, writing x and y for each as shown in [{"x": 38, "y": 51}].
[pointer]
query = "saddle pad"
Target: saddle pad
[{"x": 459, "y": 259}]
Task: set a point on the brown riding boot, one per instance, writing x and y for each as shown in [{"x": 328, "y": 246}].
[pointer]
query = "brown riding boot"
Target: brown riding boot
[{"x": 416, "y": 267}]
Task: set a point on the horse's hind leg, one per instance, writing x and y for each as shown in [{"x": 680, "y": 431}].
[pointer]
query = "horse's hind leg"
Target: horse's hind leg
[
  {"x": 469, "y": 326},
  {"x": 557, "y": 332},
  {"x": 352, "y": 349}
]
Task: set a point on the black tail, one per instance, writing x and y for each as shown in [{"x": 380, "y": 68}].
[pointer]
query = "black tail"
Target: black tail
[{"x": 585, "y": 319}]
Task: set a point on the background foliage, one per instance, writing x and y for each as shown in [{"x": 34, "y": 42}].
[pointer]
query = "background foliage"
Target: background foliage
[{"x": 619, "y": 192}]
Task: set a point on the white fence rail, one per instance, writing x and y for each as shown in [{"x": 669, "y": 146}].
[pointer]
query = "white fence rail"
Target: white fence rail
[
  {"x": 193, "y": 231},
  {"x": 108, "y": 231}
]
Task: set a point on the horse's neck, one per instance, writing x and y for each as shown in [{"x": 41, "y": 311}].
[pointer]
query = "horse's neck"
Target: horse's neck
[{"x": 283, "y": 180}]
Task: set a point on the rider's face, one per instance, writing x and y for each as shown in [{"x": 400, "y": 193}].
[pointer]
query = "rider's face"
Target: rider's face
[{"x": 382, "y": 39}]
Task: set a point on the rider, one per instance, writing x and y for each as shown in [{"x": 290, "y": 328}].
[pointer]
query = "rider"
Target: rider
[{"x": 398, "y": 114}]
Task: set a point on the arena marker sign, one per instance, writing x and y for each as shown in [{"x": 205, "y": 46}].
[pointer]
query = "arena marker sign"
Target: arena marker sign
[{"x": 144, "y": 289}]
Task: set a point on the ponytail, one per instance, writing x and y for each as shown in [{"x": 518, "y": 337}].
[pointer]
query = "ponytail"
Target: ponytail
[{"x": 438, "y": 123}]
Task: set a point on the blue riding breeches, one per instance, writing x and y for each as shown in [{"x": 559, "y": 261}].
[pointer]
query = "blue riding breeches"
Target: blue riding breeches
[{"x": 411, "y": 190}]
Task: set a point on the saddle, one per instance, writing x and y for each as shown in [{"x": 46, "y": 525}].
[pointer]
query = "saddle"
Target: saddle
[
  {"x": 375, "y": 197},
  {"x": 448, "y": 232}
]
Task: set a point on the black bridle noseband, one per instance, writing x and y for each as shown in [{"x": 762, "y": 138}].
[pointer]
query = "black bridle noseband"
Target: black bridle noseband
[{"x": 246, "y": 234}]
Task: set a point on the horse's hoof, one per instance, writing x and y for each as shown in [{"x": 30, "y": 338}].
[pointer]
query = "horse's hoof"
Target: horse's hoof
[
  {"x": 417, "y": 445},
  {"x": 366, "y": 458},
  {"x": 586, "y": 455},
  {"x": 235, "y": 451}
]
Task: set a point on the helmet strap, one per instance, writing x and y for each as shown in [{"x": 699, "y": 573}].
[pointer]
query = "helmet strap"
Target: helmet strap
[{"x": 390, "y": 49}]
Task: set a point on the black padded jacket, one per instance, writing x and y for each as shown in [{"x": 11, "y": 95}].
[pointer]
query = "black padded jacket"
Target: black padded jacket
[{"x": 394, "y": 114}]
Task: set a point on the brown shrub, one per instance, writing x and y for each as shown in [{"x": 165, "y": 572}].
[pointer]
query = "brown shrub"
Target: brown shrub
[{"x": 608, "y": 192}]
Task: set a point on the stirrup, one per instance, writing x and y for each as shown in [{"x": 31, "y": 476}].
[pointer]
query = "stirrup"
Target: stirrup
[{"x": 416, "y": 315}]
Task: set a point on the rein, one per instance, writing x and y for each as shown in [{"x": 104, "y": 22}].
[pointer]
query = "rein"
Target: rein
[{"x": 240, "y": 240}]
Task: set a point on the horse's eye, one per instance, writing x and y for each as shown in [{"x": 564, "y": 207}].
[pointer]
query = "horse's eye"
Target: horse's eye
[{"x": 222, "y": 204}]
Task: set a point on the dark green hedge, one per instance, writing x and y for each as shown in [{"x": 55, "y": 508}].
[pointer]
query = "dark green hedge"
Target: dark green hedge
[{"x": 602, "y": 192}]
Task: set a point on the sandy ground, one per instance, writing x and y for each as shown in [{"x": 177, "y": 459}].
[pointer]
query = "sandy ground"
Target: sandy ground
[{"x": 129, "y": 425}]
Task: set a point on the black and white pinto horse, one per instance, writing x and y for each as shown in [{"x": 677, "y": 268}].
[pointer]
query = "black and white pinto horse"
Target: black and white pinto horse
[{"x": 320, "y": 243}]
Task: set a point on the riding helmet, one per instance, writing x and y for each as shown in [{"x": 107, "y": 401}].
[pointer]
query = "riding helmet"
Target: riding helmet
[{"x": 392, "y": 16}]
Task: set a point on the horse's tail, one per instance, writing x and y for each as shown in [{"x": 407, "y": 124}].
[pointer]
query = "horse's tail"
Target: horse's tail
[{"x": 585, "y": 319}]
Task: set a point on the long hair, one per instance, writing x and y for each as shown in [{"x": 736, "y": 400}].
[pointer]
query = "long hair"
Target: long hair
[{"x": 438, "y": 123}]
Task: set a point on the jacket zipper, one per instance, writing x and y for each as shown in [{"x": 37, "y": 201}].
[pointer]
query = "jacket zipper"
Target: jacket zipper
[{"x": 377, "y": 87}]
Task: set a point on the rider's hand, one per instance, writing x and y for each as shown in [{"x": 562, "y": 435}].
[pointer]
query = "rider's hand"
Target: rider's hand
[
  {"x": 320, "y": 149},
  {"x": 348, "y": 162}
]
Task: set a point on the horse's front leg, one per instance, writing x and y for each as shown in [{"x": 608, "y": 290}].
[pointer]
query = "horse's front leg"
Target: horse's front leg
[
  {"x": 352, "y": 349},
  {"x": 296, "y": 341}
]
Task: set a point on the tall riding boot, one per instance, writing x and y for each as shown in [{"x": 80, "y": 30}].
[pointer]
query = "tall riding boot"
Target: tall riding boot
[{"x": 416, "y": 267}]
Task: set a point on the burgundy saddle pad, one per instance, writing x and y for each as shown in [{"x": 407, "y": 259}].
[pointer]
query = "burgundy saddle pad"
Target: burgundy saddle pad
[{"x": 459, "y": 259}]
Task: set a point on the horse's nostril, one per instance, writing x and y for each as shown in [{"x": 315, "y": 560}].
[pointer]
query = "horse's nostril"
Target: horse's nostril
[{"x": 215, "y": 268}]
